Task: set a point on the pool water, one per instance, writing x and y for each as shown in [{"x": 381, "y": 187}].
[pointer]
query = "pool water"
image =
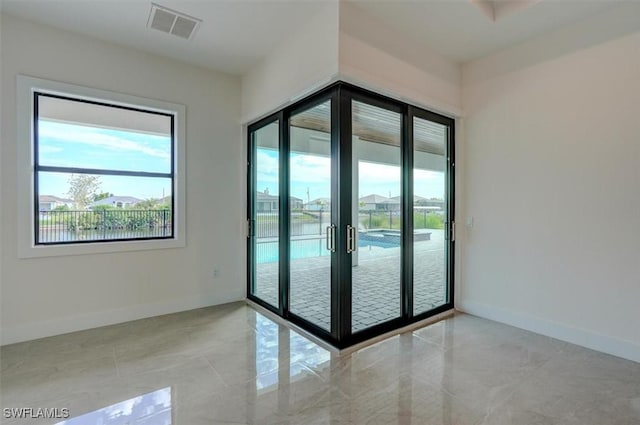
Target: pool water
[{"x": 267, "y": 252}]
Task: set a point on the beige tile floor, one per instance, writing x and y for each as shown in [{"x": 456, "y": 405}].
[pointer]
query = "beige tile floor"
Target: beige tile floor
[{"x": 231, "y": 365}]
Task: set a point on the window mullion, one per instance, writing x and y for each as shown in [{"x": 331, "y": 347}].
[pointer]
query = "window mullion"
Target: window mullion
[{"x": 73, "y": 170}]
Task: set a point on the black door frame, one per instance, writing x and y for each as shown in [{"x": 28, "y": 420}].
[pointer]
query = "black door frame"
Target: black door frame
[
  {"x": 341, "y": 95},
  {"x": 449, "y": 123},
  {"x": 251, "y": 208},
  {"x": 329, "y": 94}
]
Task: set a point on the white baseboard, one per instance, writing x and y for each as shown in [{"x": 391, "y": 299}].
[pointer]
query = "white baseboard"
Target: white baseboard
[
  {"x": 585, "y": 338},
  {"x": 35, "y": 330}
]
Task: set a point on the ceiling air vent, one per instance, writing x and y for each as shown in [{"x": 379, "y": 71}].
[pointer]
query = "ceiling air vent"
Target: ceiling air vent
[{"x": 172, "y": 22}]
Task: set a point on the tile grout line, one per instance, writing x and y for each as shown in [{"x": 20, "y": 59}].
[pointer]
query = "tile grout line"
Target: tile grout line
[{"x": 226, "y": 384}]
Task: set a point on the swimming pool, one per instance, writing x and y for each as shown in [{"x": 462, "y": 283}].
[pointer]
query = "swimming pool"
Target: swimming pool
[{"x": 267, "y": 252}]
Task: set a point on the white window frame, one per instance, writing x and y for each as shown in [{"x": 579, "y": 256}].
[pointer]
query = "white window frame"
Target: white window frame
[{"x": 27, "y": 248}]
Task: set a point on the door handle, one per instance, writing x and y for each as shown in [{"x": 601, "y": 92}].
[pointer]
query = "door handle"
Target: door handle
[
  {"x": 331, "y": 238},
  {"x": 351, "y": 239}
]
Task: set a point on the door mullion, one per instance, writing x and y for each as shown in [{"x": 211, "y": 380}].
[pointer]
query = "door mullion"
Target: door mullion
[
  {"x": 407, "y": 212},
  {"x": 344, "y": 218},
  {"x": 251, "y": 213},
  {"x": 450, "y": 209},
  {"x": 283, "y": 223}
]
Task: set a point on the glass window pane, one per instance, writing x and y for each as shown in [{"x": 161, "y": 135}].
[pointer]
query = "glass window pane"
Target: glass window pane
[
  {"x": 84, "y": 207},
  {"x": 377, "y": 186},
  {"x": 429, "y": 216},
  {"x": 310, "y": 190},
  {"x": 266, "y": 213},
  {"x": 82, "y": 135}
]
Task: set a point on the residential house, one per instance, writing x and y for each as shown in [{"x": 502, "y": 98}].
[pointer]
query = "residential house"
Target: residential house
[
  {"x": 433, "y": 204},
  {"x": 116, "y": 201},
  {"x": 50, "y": 202},
  {"x": 318, "y": 204},
  {"x": 268, "y": 203},
  {"x": 379, "y": 203}
]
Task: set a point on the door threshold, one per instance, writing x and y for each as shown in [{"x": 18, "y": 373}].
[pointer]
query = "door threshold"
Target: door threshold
[
  {"x": 408, "y": 328},
  {"x": 353, "y": 348}
]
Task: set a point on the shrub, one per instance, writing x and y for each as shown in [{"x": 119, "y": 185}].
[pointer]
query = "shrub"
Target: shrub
[
  {"x": 82, "y": 221},
  {"x": 380, "y": 220},
  {"x": 428, "y": 220}
]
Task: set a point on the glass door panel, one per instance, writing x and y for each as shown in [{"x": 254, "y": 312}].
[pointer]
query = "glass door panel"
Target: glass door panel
[
  {"x": 265, "y": 214},
  {"x": 310, "y": 221},
  {"x": 376, "y": 206},
  {"x": 430, "y": 289}
]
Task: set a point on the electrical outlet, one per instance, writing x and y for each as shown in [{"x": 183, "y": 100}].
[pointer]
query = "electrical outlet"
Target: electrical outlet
[{"x": 216, "y": 272}]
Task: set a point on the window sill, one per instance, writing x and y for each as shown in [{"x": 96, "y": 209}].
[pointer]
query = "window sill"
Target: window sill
[{"x": 39, "y": 251}]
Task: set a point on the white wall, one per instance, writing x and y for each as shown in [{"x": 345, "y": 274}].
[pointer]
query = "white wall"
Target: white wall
[
  {"x": 306, "y": 60},
  {"x": 552, "y": 181},
  {"x": 46, "y": 296},
  {"x": 1, "y": 184},
  {"x": 373, "y": 56},
  {"x": 343, "y": 42}
]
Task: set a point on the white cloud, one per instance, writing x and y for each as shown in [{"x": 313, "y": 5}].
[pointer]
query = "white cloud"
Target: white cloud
[
  {"x": 266, "y": 163},
  {"x": 370, "y": 172},
  {"x": 428, "y": 184},
  {"x": 427, "y": 174},
  {"x": 267, "y": 168},
  {"x": 310, "y": 169},
  {"x": 85, "y": 136}
]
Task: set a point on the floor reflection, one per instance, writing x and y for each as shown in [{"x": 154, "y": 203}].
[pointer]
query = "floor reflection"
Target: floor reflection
[
  {"x": 282, "y": 354},
  {"x": 306, "y": 352},
  {"x": 266, "y": 349},
  {"x": 153, "y": 408}
]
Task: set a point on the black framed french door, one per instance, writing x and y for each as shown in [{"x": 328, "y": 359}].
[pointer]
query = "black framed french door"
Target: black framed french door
[
  {"x": 350, "y": 195},
  {"x": 294, "y": 244}
]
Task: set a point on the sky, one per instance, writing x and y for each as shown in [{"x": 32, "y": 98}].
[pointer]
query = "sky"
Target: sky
[
  {"x": 312, "y": 172},
  {"x": 72, "y": 145}
]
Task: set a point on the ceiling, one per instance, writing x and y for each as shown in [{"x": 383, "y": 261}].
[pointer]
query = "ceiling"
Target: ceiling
[
  {"x": 376, "y": 125},
  {"x": 461, "y": 31},
  {"x": 235, "y": 34}
]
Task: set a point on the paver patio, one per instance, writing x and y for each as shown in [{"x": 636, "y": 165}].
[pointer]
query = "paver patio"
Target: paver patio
[{"x": 376, "y": 283}]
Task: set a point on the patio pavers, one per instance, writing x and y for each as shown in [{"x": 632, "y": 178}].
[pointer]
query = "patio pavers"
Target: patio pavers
[{"x": 376, "y": 284}]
